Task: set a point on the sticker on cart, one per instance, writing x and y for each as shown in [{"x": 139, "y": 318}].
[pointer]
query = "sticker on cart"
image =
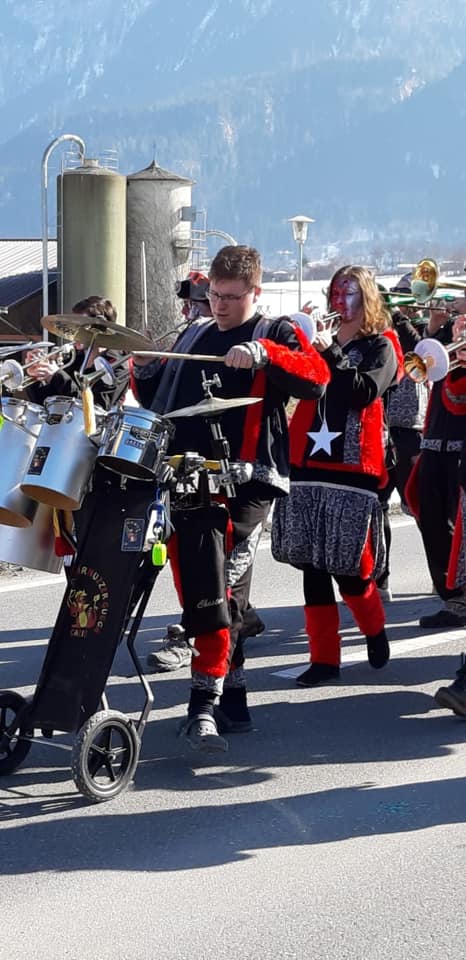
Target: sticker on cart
[{"x": 132, "y": 539}]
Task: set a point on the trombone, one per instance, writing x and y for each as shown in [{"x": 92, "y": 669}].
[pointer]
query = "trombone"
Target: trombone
[{"x": 426, "y": 281}]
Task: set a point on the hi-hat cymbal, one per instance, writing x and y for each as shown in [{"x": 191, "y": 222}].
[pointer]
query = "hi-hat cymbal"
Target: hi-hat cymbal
[
  {"x": 97, "y": 330},
  {"x": 212, "y": 407}
]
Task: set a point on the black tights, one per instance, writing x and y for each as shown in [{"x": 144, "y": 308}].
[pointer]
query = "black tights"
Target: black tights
[{"x": 318, "y": 586}]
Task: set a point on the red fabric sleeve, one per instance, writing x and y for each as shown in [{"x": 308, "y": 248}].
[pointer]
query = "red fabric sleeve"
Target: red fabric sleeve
[{"x": 306, "y": 363}]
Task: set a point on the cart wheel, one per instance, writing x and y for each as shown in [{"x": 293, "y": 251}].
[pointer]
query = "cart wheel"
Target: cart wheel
[
  {"x": 104, "y": 756},
  {"x": 14, "y": 744}
]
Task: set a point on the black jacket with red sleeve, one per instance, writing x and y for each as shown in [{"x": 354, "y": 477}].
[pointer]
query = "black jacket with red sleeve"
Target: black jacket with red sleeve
[{"x": 257, "y": 433}]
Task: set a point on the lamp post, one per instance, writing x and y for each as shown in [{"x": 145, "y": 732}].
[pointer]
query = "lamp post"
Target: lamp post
[{"x": 300, "y": 225}]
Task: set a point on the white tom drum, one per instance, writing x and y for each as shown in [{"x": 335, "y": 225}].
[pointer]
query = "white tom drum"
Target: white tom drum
[
  {"x": 63, "y": 458},
  {"x": 19, "y": 428},
  {"x": 34, "y": 547}
]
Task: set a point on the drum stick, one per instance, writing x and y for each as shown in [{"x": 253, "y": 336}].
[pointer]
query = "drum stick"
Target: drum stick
[{"x": 160, "y": 354}]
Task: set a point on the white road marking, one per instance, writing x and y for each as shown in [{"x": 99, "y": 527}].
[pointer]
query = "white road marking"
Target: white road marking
[
  {"x": 397, "y": 647},
  {"x": 52, "y": 580}
]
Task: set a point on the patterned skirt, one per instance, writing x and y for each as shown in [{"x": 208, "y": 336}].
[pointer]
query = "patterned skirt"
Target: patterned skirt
[{"x": 333, "y": 527}]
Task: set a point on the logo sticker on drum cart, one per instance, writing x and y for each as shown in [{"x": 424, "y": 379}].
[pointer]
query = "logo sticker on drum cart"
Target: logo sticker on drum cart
[
  {"x": 88, "y": 602},
  {"x": 38, "y": 460},
  {"x": 132, "y": 539}
]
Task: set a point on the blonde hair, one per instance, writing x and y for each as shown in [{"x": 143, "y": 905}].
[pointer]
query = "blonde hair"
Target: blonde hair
[{"x": 376, "y": 315}]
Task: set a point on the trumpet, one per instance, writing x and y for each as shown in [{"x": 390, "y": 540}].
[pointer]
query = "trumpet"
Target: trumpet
[
  {"x": 312, "y": 325},
  {"x": 12, "y": 373},
  {"x": 431, "y": 360}
]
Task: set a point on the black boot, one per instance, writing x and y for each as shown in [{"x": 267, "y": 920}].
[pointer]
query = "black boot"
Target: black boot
[
  {"x": 454, "y": 696},
  {"x": 199, "y": 728},
  {"x": 378, "y": 650},
  {"x": 318, "y": 673},
  {"x": 232, "y": 714}
]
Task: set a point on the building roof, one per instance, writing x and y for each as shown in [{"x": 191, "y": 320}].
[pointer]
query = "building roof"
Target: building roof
[
  {"x": 14, "y": 289},
  {"x": 24, "y": 256},
  {"x": 154, "y": 172}
]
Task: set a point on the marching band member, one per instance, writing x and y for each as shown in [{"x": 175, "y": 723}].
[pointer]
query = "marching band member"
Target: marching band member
[
  {"x": 454, "y": 399},
  {"x": 270, "y": 359},
  {"x": 433, "y": 487},
  {"x": 331, "y": 523}
]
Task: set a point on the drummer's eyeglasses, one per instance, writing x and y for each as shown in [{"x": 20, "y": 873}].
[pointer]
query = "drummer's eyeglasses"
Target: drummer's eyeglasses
[{"x": 227, "y": 297}]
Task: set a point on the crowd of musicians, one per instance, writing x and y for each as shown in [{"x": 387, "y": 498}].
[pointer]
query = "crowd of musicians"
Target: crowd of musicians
[{"x": 357, "y": 427}]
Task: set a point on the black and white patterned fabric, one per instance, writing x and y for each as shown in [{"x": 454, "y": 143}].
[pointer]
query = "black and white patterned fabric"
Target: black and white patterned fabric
[
  {"x": 327, "y": 525},
  {"x": 407, "y": 405}
]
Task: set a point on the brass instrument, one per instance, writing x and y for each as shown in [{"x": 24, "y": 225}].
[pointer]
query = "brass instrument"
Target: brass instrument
[
  {"x": 431, "y": 360},
  {"x": 426, "y": 281},
  {"x": 12, "y": 372}
]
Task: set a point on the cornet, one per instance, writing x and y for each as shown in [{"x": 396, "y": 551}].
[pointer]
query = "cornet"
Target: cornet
[{"x": 12, "y": 373}]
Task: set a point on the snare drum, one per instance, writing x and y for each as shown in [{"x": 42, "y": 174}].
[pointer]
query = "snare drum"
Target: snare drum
[
  {"x": 134, "y": 442},
  {"x": 18, "y": 435},
  {"x": 63, "y": 458}
]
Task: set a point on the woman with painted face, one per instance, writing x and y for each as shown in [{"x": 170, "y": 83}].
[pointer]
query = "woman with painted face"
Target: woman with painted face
[{"x": 330, "y": 526}]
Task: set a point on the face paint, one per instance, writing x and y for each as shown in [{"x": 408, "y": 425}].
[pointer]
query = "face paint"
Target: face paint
[{"x": 346, "y": 299}]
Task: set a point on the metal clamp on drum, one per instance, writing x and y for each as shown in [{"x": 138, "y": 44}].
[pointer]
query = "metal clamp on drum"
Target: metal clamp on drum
[
  {"x": 64, "y": 456},
  {"x": 134, "y": 443}
]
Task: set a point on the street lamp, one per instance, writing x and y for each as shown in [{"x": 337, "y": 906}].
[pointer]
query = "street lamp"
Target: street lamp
[{"x": 300, "y": 225}]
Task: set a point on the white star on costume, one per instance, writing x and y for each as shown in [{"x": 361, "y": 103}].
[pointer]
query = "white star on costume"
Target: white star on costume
[{"x": 323, "y": 438}]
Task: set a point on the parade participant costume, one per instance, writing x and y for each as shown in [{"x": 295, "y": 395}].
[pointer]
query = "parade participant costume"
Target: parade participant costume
[
  {"x": 284, "y": 364},
  {"x": 432, "y": 493},
  {"x": 331, "y": 523},
  {"x": 454, "y": 399}
]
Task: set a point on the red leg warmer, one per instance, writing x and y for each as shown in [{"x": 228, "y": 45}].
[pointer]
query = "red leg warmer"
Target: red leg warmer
[
  {"x": 367, "y": 610},
  {"x": 214, "y": 653},
  {"x": 322, "y": 623}
]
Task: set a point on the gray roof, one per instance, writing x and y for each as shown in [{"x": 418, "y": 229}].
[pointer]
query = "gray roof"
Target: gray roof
[
  {"x": 17, "y": 288},
  {"x": 154, "y": 172},
  {"x": 23, "y": 256}
]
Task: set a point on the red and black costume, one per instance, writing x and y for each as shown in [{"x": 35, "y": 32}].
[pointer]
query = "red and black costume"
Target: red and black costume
[
  {"x": 433, "y": 490},
  {"x": 331, "y": 524},
  {"x": 257, "y": 434},
  {"x": 454, "y": 400}
]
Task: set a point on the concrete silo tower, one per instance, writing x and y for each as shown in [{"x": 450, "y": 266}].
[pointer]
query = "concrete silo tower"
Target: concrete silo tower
[{"x": 160, "y": 215}]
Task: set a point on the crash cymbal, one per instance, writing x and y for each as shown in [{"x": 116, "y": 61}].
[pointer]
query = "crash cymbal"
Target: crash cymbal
[
  {"x": 212, "y": 407},
  {"x": 85, "y": 330}
]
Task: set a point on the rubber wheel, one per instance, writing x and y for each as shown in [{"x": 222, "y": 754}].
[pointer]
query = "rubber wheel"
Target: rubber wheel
[
  {"x": 14, "y": 744},
  {"x": 105, "y": 755}
]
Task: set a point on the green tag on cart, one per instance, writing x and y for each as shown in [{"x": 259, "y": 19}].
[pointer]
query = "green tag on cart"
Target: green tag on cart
[
  {"x": 2, "y": 421},
  {"x": 159, "y": 554}
]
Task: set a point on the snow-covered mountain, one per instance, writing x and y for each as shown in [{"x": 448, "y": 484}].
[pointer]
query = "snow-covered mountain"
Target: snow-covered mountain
[{"x": 343, "y": 109}]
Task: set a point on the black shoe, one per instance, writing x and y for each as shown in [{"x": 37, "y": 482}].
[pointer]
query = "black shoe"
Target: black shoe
[
  {"x": 454, "y": 696},
  {"x": 232, "y": 714},
  {"x": 378, "y": 650},
  {"x": 252, "y": 624},
  {"x": 318, "y": 673},
  {"x": 443, "y": 619}
]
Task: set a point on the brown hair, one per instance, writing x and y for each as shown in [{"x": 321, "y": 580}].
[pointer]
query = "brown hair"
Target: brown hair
[
  {"x": 95, "y": 306},
  {"x": 376, "y": 316},
  {"x": 237, "y": 263}
]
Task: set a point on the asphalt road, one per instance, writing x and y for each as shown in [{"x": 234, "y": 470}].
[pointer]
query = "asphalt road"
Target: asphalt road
[{"x": 335, "y": 829}]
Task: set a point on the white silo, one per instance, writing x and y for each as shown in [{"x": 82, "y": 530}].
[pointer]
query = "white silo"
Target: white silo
[{"x": 159, "y": 215}]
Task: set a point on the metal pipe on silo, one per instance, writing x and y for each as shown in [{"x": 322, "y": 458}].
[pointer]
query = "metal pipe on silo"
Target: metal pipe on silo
[
  {"x": 159, "y": 214},
  {"x": 92, "y": 221},
  {"x": 45, "y": 216}
]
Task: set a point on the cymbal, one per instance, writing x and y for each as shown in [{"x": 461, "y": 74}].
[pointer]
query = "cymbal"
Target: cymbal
[
  {"x": 212, "y": 407},
  {"x": 85, "y": 330}
]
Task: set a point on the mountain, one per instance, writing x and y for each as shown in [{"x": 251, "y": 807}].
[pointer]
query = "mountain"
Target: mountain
[{"x": 340, "y": 110}]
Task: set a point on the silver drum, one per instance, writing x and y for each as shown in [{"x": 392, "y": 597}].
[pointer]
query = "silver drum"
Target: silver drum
[
  {"x": 134, "y": 442},
  {"x": 34, "y": 547},
  {"x": 63, "y": 458},
  {"x": 18, "y": 436}
]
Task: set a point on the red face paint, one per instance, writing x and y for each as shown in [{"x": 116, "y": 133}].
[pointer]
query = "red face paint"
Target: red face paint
[{"x": 346, "y": 299}]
